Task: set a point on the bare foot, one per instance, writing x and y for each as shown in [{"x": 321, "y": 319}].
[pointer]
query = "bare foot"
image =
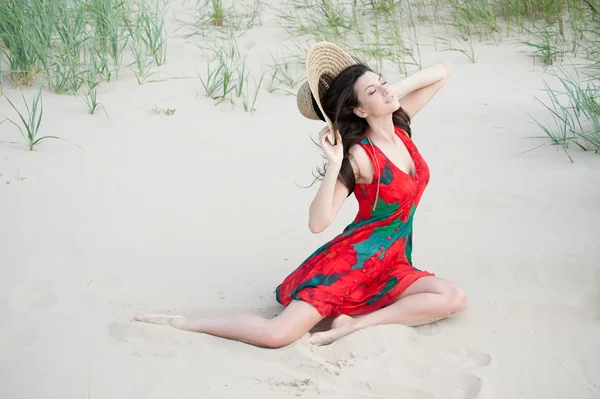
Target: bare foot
[
  {"x": 341, "y": 326},
  {"x": 174, "y": 321}
]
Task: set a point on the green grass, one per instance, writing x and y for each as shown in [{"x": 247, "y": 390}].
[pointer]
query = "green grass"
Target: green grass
[
  {"x": 151, "y": 29},
  {"x": 228, "y": 77},
  {"x": 91, "y": 99},
  {"x": 207, "y": 16},
  {"x": 379, "y": 32},
  {"x": 384, "y": 6},
  {"x": 30, "y": 120},
  {"x": 142, "y": 64},
  {"x": 75, "y": 45},
  {"x": 67, "y": 68},
  {"x": 546, "y": 44},
  {"x": 221, "y": 71},
  {"x": 166, "y": 111},
  {"x": 389, "y": 31},
  {"x": 109, "y": 32},
  {"x": 217, "y": 13},
  {"x": 91, "y": 94},
  {"x": 331, "y": 20},
  {"x": 285, "y": 73},
  {"x": 22, "y": 44},
  {"x": 473, "y": 17},
  {"x": 574, "y": 108},
  {"x": 1, "y": 76},
  {"x": 61, "y": 40},
  {"x": 574, "y": 111}
]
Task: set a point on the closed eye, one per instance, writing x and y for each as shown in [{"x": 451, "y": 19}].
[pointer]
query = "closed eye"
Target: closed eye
[{"x": 373, "y": 92}]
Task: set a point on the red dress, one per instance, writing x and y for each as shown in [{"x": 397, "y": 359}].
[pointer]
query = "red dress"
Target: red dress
[{"x": 367, "y": 266}]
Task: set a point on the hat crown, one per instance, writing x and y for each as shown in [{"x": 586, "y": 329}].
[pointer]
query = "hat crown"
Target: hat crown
[
  {"x": 325, "y": 82},
  {"x": 324, "y": 62}
]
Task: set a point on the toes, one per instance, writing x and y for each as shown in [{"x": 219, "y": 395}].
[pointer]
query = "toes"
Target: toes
[
  {"x": 342, "y": 321},
  {"x": 157, "y": 318},
  {"x": 320, "y": 339},
  {"x": 316, "y": 339},
  {"x": 327, "y": 337}
]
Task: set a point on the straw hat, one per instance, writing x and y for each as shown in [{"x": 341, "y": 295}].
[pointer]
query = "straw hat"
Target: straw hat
[{"x": 324, "y": 62}]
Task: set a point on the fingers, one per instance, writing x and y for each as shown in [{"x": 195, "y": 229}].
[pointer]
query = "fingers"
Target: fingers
[
  {"x": 325, "y": 132},
  {"x": 335, "y": 139},
  {"x": 323, "y": 135}
]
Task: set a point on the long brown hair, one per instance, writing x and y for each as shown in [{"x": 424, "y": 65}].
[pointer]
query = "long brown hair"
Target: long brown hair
[{"x": 339, "y": 103}]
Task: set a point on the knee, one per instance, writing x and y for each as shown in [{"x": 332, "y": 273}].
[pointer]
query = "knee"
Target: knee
[
  {"x": 457, "y": 300},
  {"x": 277, "y": 338}
]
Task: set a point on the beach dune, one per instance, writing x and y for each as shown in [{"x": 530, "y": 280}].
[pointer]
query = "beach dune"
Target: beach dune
[{"x": 204, "y": 212}]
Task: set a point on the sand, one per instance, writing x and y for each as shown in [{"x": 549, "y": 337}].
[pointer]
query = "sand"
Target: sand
[{"x": 200, "y": 213}]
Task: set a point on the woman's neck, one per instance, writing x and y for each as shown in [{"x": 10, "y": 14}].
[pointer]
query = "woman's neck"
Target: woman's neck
[{"x": 381, "y": 129}]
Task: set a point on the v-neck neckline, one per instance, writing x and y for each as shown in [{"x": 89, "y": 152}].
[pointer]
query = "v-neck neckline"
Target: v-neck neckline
[{"x": 391, "y": 162}]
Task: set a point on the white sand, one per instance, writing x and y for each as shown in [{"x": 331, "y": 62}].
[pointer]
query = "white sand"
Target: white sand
[{"x": 199, "y": 214}]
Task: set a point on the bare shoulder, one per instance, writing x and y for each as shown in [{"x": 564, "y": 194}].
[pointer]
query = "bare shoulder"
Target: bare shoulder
[{"x": 361, "y": 163}]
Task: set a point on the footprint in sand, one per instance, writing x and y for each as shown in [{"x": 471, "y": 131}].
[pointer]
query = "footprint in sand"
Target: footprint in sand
[
  {"x": 397, "y": 359},
  {"x": 350, "y": 352},
  {"x": 452, "y": 384},
  {"x": 159, "y": 340},
  {"x": 315, "y": 361},
  {"x": 25, "y": 299},
  {"x": 429, "y": 330},
  {"x": 468, "y": 359}
]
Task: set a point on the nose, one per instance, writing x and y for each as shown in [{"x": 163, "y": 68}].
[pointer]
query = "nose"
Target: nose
[{"x": 385, "y": 91}]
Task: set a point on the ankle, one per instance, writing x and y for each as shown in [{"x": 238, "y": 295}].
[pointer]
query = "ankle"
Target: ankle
[{"x": 358, "y": 324}]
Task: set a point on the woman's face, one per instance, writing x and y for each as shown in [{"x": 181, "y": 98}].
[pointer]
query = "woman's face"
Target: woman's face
[{"x": 375, "y": 98}]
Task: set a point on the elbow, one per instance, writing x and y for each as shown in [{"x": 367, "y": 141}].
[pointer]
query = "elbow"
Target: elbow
[
  {"x": 314, "y": 228},
  {"x": 446, "y": 69},
  {"x": 317, "y": 227}
]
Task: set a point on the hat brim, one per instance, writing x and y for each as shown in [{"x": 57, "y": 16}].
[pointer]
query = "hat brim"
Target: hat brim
[
  {"x": 306, "y": 103},
  {"x": 324, "y": 62}
]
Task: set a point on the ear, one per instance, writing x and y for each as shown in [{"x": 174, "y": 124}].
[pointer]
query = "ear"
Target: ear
[{"x": 360, "y": 113}]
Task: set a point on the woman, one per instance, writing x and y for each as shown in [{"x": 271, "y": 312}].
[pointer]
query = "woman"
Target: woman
[{"x": 364, "y": 276}]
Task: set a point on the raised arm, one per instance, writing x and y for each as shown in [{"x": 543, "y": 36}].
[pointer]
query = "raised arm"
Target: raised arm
[
  {"x": 419, "y": 88},
  {"x": 327, "y": 202},
  {"x": 332, "y": 192}
]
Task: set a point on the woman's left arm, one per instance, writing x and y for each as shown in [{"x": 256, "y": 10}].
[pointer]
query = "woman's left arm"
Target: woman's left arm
[{"x": 419, "y": 88}]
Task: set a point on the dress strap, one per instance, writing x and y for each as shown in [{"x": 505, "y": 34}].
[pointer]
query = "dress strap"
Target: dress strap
[{"x": 378, "y": 169}]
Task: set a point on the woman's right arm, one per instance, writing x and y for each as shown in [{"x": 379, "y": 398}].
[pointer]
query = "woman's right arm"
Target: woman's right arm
[
  {"x": 328, "y": 201},
  {"x": 332, "y": 192}
]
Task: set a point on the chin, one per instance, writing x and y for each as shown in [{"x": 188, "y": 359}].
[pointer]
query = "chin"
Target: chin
[
  {"x": 394, "y": 106},
  {"x": 389, "y": 108}
]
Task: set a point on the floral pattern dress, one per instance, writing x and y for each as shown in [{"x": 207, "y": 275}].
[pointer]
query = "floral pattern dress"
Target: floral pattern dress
[{"x": 368, "y": 265}]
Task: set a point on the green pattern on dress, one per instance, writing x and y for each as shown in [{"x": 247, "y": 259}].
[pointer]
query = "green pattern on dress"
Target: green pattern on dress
[
  {"x": 388, "y": 286},
  {"x": 319, "y": 279},
  {"x": 408, "y": 248},
  {"x": 382, "y": 238},
  {"x": 387, "y": 176}
]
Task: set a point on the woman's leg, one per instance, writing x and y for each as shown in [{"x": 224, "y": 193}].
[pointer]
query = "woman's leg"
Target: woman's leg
[
  {"x": 427, "y": 300},
  {"x": 295, "y": 321}
]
